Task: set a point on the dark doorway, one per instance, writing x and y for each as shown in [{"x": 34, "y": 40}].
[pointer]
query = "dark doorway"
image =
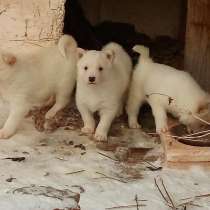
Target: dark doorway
[{"x": 160, "y": 25}]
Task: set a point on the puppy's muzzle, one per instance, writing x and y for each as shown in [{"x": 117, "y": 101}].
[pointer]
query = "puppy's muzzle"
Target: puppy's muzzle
[{"x": 92, "y": 79}]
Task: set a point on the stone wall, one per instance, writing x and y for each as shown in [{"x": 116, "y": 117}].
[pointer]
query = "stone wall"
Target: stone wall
[{"x": 31, "y": 23}]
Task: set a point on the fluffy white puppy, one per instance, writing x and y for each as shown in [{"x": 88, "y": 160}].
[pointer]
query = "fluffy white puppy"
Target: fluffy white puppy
[
  {"x": 103, "y": 78},
  {"x": 166, "y": 89},
  {"x": 28, "y": 80}
]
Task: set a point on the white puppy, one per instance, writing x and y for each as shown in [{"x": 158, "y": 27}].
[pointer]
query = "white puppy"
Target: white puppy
[
  {"x": 166, "y": 90},
  {"x": 103, "y": 78},
  {"x": 27, "y": 80}
]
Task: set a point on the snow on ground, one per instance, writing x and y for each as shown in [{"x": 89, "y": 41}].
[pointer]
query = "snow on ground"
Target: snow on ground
[{"x": 44, "y": 180}]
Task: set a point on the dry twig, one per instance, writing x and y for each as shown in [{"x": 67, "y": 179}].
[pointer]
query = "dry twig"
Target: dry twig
[
  {"x": 169, "y": 201},
  {"x": 170, "y": 99},
  {"x": 137, "y": 203},
  {"x": 199, "y": 132},
  {"x": 109, "y": 177},
  {"x": 125, "y": 207},
  {"x": 107, "y": 156},
  {"x": 162, "y": 194},
  {"x": 202, "y": 120},
  {"x": 74, "y": 172},
  {"x": 191, "y": 137}
]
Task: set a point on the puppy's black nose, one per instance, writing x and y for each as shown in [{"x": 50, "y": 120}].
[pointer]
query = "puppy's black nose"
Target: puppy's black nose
[{"x": 92, "y": 79}]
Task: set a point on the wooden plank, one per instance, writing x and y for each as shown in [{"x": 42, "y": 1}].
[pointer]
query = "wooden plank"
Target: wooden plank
[
  {"x": 181, "y": 153},
  {"x": 197, "y": 51}
]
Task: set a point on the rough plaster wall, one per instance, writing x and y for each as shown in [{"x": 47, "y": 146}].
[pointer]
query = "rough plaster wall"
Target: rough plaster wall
[
  {"x": 30, "y": 23},
  {"x": 152, "y": 17}
]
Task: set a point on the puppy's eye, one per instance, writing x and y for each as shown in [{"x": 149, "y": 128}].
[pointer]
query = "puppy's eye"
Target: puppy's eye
[
  {"x": 100, "y": 68},
  {"x": 85, "y": 68}
]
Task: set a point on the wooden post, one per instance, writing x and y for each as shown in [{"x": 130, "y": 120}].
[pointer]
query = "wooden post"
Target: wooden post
[{"x": 197, "y": 51}]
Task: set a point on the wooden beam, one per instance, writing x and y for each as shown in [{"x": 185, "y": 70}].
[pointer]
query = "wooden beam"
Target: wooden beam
[{"x": 181, "y": 153}]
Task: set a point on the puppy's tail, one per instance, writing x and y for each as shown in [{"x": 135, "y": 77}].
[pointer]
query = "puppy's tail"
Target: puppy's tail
[
  {"x": 66, "y": 45},
  {"x": 144, "y": 51}
]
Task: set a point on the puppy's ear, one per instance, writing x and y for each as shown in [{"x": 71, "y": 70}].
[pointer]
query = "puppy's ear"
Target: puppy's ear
[
  {"x": 66, "y": 45},
  {"x": 110, "y": 55},
  {"x": 9, "y": 59},
  {"x": 80, "y": 52}
]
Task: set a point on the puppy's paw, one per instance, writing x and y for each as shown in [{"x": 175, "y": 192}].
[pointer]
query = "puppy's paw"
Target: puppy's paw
[
  {"x": 100, "y": 136},
  {"x": 87, "y": 130},
  {"x": 190, "y": 130},
  {"x": 161, "y": 130},
  {"x": 4, "y": 134},
  {"x": 50, "y": 114},
  {"x": 47, "y": 125},
  {"x": 134, "y": 125}
]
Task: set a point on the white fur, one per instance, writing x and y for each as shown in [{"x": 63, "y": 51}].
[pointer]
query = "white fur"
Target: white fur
[
  {"x": 160, "y": 82},
  {"x": 31, "y": 79},
  {"x": 105, "y": 95}
]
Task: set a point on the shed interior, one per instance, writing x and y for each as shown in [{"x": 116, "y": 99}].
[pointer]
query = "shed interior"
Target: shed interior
[{"x": 160, "y": 25}]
